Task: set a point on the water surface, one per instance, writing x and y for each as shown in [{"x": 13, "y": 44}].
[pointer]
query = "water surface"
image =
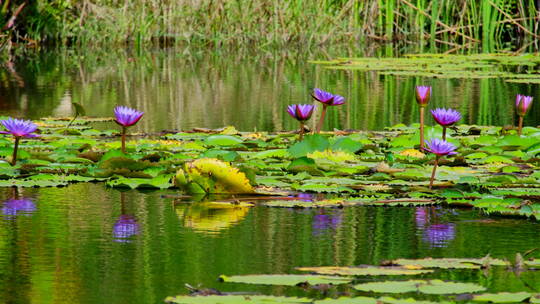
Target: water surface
[
  {"x": 183, "y": 89},
  {"x": 90, "y": 244}
]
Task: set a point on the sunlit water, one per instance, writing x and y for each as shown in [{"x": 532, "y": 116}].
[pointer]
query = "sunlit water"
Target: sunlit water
[
  {"x": 181, "y": 89},
  {"x": 92, "y": 244}
]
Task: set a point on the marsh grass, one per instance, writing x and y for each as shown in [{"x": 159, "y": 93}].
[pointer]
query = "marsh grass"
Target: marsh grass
[{"x": 456, "y": 25}]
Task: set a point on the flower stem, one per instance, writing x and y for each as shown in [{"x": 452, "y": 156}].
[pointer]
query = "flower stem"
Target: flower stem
[
  {"x": 301, "y": 131},
  {"x": 421, "y": 128},
  {"x": 444, "y": 133},
  {"x": 124, "y": 139},
  {"x": 15, "y": 148},
  {"x": 321, "y": 120},
  {"x": 433, "y": 172},
  {"x": 520, "y": 124}
]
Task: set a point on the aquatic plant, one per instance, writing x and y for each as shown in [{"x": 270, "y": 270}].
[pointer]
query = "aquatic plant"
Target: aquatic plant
[
  {"x": 439, "y": 148},
  {"x": 327, "y": 99},
  {"x": 523, "y": 104},
  {"x": 13, "y": 207},
  {"x": 18, "y": 128},
  {"x": 125, "y": 227},
  {"x": 445, "y": 118},
  {"x": 126, "y": 117},
  {"x": 423, "y": 94},
  {"x": 301, "y": 112}
]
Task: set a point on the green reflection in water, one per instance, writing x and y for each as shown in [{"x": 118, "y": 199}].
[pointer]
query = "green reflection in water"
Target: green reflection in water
[
  {"x": 65, "y": 249},
  {"x": 185, "y": 89}
]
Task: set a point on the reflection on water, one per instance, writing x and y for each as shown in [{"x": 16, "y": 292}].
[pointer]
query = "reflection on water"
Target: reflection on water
[
  {"x": 126, "y": 226},
  {"x": 182, "y": 90},
  {"x": 211, "y": 217},
  {"x": 14, "y": 207},
  {"x": 326, "y": 221},
  {"x": 63, "y": 253},
  {"x": 433, "y": 223}
]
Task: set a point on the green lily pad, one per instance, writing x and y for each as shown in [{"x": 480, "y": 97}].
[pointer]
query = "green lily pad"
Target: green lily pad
[
  {"x": 347, "y": 300},
  {"x": 502, "y": 297},
  {"x": 364, "y": 271},
  {"x": 235, "y": 299},
  {"x": 285, "y": 279},
  {"x": 428, "y": 287},
  {"x": 450, "y": 263}
]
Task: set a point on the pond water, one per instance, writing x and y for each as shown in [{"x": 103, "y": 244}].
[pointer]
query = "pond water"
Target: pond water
[
  {"x": 90, "y": 244},
  {"x": 87, "y": 243},
  {"x": 181, "y": 89}
]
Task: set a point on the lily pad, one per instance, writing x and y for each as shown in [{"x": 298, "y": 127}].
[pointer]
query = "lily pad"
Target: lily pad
[
  {"x": 428, "y": 287},
  {"x": 503, "y": 297},
  {"x": 450, "y": 263},
  {"x": 364, "y": 271},
  {"x": 235, "y": 299},
  {"x": 285, "y": 279}
]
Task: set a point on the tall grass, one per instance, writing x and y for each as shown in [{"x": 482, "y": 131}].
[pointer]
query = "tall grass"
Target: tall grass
[{"x": 455, "y": 24}]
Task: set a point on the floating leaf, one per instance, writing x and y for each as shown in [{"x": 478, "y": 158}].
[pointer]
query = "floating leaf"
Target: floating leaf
[
  {"x": 285, "y": 279},
  {"x": 429, "y": 287},
  {"x": 235, "y": 299},
  {"x": 364, "y": 271},
  {"x": 450, "y": 263},
  {"x": 502, "y": 297},
  {"x": 346, "y": 300},
  {"x": 222, "y": 140},
  {"x": 310, "y": 144}
]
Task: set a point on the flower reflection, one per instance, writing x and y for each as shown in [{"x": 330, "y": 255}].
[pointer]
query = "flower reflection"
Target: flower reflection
[
  {"x": 326, "y": 222},
  {"x": 211, "y": 217},
  {"x": 435, "y": 233},
  {"x": 14, "y": 207},
  {"x": 439, "y": 235},
  {"x": 124, "y": 228}
]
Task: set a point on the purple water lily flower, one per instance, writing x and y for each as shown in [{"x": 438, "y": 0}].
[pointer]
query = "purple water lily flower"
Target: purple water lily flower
[
  {"x": 301, "y": 112},
  {"x": 440, "y": 147},
  {"x": 328, "y": 98},
  {"x": 124, "y": 228},
  {"x": 14, "y": 207},
  {"x": 19, "y": 127},
  {"x": 438, "y": 235},
  {"x": 127, "y": 116},
  {"x": 446, "y": 117},
  {"x": 523, "y": 103},
  {"x": 423, "y": 94}
]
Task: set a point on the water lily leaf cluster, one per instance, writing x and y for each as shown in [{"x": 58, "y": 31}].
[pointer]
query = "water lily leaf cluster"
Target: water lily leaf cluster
[
  {"x": 495, "y": 169},
  {"x": 448, "y": 66}
]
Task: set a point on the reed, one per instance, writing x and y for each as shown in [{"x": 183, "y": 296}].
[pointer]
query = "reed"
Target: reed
[{"x": 451, "y": 24}]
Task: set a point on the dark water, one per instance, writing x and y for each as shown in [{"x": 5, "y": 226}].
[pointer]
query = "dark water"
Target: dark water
[
  {"x": 181, "y": 89},
  {"x": 91, "y": 244}
]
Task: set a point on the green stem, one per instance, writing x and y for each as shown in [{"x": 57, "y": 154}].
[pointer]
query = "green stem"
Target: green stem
[
  {"x": 321, "y": 120},
  {"x": 421, "y": 128},
  {"x": 301, "y": 131},
  {"x": 520, "y": 124},
  {"x": 433, "y": 172},
  {"x": 124, "y": 139},
  {"x": 15, "y": 148},
  {"x": 444, "y": 133}
]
